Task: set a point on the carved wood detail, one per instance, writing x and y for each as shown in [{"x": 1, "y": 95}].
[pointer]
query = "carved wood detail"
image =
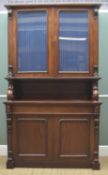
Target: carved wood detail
[
  {"x": 95, "y": 163},
  {"x": 10, "y": 93},
  {"x": 95, "y": 91},
  {"x": 10, "y": 160}
]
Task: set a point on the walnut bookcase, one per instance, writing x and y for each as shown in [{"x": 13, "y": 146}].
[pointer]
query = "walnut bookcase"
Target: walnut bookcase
[{"x": 52, "y": 99}]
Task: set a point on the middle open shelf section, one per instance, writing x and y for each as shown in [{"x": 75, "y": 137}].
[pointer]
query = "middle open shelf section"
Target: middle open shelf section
[{"x": 52, "y": 89}]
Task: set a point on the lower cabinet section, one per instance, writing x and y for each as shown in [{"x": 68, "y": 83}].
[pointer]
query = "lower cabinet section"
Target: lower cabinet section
[{"x": 53, "y": 140}]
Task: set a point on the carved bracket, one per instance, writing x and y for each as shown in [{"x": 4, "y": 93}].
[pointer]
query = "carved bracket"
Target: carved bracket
[
  {"x": 95, "y": 91},
  {"x": 10, "y": 93}
]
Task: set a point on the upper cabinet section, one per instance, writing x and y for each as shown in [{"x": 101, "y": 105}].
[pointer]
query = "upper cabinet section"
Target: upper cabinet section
[{"x": 53, "y": 40}]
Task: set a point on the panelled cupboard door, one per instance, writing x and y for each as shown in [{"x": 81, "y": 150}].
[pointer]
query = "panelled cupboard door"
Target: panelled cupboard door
[
  {"x": 32, "y": 136},
  {"x": 53, "y": 42},
  {"x": 75, "y": 135}
]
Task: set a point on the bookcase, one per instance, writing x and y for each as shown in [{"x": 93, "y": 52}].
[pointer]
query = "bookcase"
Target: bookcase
[{"x": 52, "y": 102}]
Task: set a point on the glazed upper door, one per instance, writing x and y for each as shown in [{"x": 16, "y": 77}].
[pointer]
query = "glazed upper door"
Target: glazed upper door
[
  {"x": 53, "y": 42},
  {"x": 73, "y": 41},
  {"x": 30, "y": 28},
  {"x": 77, "y": 42},
  {"x": 32, "y": 41}
]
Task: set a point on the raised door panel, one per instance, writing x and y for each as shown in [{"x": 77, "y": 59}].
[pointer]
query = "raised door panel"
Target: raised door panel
[
  {"x": 75, "y": 138},
  {"x": 31, "y": 139}
]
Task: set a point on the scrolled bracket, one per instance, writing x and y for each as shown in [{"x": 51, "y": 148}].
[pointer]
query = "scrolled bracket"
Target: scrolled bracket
[
  {"x": 95, "y": 91},
  {"x": 10, "y": 93}
]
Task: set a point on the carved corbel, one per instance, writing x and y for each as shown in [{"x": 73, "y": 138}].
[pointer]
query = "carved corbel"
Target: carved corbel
[
  {"x": 95, "y": 91},
  {"x": 10, "y": 93}
]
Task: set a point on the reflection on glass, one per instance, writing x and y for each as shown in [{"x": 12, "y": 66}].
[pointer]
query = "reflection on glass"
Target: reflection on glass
[
  {"x": 73, "y": 41},
  {"x": 32, "y": 41}
]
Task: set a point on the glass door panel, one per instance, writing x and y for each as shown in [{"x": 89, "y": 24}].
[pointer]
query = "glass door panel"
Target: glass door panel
[
  {"x": 32, "y": 41},
  {"x": 73, "y": 41}
]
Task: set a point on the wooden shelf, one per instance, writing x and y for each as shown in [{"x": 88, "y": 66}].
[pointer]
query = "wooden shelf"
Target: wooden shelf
[
  {"x": 51, "y": 102},
  {"x": 54, "y": 78}
]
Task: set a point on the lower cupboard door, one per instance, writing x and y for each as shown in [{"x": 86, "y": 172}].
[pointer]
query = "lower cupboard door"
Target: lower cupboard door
[
  {"x": 30, "y": 138},
  {"x": 75, "y": 138}
]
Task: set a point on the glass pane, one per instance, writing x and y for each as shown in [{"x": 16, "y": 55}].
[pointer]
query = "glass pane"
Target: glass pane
[
  {"x": 73, "y": 40},
  {"x": 32, "y": 41}
]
